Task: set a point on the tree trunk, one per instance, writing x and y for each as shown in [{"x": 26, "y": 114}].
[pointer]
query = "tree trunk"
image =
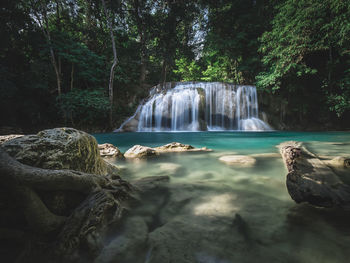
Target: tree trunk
[
  {"x": 163, "y": 73},
  {"x": 142, "y": 71},
  {"x": 330, "y": 69},
  {"x": 46, "y": 31},
  {"x": 72, "y": 77},
  {"x": 141, "y": 33},
  {"x": 115, "y": 60}
]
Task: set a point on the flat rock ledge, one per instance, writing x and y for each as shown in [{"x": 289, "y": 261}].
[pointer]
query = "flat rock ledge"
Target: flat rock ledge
[
  {"x": 139, "y": 151},
  {"x": 238, "y": 160},
  {"x": 179, "y": 147},
  {"x": 311, "y": 180}
]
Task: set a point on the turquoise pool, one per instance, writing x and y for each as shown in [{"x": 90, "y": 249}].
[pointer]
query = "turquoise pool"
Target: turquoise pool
[{"x": 212, "y": 212}]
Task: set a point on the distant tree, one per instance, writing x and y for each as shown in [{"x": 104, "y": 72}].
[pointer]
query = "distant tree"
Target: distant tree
[{"x": 115, "y": 60}]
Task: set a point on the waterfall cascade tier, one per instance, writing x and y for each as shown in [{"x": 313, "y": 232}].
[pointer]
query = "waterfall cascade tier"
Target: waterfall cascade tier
[{"x": 201, "y": 106}]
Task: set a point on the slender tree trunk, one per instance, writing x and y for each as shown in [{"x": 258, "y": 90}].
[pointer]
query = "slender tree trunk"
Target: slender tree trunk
[
  {"x": 46, "y": 32},
  {"x": 142, "y": 70},
  {"x": 141, "y": 33},
  {"x": 59, "y": 66},
  {"x": 115, "y": 60},
  {"x": 72, "y": 77},
  {"x": 163, "y": 74},
  {"x": 330, "y": 69},
  {"x": 143, "y": 59}
]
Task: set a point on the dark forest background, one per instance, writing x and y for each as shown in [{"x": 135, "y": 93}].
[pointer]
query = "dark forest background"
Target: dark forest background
[{"x": 56, "y": 58}]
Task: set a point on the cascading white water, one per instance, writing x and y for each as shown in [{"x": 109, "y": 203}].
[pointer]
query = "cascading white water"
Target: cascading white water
[{"x": 202, "y": 106}]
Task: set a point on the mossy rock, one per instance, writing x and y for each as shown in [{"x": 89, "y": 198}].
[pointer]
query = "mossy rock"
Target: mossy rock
[{"x": 59, "y": 148}]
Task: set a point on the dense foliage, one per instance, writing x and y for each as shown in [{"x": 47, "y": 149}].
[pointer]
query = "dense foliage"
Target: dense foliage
[
  {"x": 56, "y": 56},
  {"x": 307, "y": 53}
]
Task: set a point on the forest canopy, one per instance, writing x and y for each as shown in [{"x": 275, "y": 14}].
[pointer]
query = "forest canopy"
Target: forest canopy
[{"x": 56, "y": 56}]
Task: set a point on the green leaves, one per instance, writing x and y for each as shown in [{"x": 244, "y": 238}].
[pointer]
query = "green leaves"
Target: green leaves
[
  {"x": 187, "y": 70},
  {"x": 306, "y": 48},
  {"x": 84, "y": 106}
]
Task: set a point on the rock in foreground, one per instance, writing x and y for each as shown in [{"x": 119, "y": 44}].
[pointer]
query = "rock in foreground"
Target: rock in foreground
[
  {"x": 310, "y": 180},
  {"x": 64, "y": 193},
  {"x": 238, "y": 160},
  {"x": 59, "y": 148}
]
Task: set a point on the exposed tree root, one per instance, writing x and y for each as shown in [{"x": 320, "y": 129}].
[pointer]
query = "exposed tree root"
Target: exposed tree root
[{"x": 103, "y": 203}]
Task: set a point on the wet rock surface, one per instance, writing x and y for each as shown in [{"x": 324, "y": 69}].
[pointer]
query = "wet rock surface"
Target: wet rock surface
[{"x": 171, "y": 169}]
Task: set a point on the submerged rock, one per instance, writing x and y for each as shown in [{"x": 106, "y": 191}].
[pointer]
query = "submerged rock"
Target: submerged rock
[
  {"x": 310, "y": 180},
  {"x": 238, "y": 160},
  {"x": 266, "y": 155},
  {"x": 170, "y": 168},
  {"x": 139, "y": 151},
  {"x": 338, "y": 162},
  {"x": 109, "y": 150},
  {"x": 133, "y": 236}
]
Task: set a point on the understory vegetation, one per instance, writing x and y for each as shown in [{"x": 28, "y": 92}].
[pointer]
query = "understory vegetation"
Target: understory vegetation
[{"x": 56, "y": 57}]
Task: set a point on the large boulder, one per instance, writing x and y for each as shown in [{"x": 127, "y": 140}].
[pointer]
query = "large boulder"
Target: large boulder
[
  {"x": 109, "y": 151},
  {"x": 139, "y": 151},
  {"x": 59, "y": 148},
  {"x": 311, "y": 180}
]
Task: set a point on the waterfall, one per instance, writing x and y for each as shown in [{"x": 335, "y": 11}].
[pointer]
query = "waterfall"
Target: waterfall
[{"x": 201, "y": 106}]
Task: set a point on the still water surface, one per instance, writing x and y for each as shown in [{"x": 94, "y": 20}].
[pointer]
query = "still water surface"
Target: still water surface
[{"x": 213, "y": 212}]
